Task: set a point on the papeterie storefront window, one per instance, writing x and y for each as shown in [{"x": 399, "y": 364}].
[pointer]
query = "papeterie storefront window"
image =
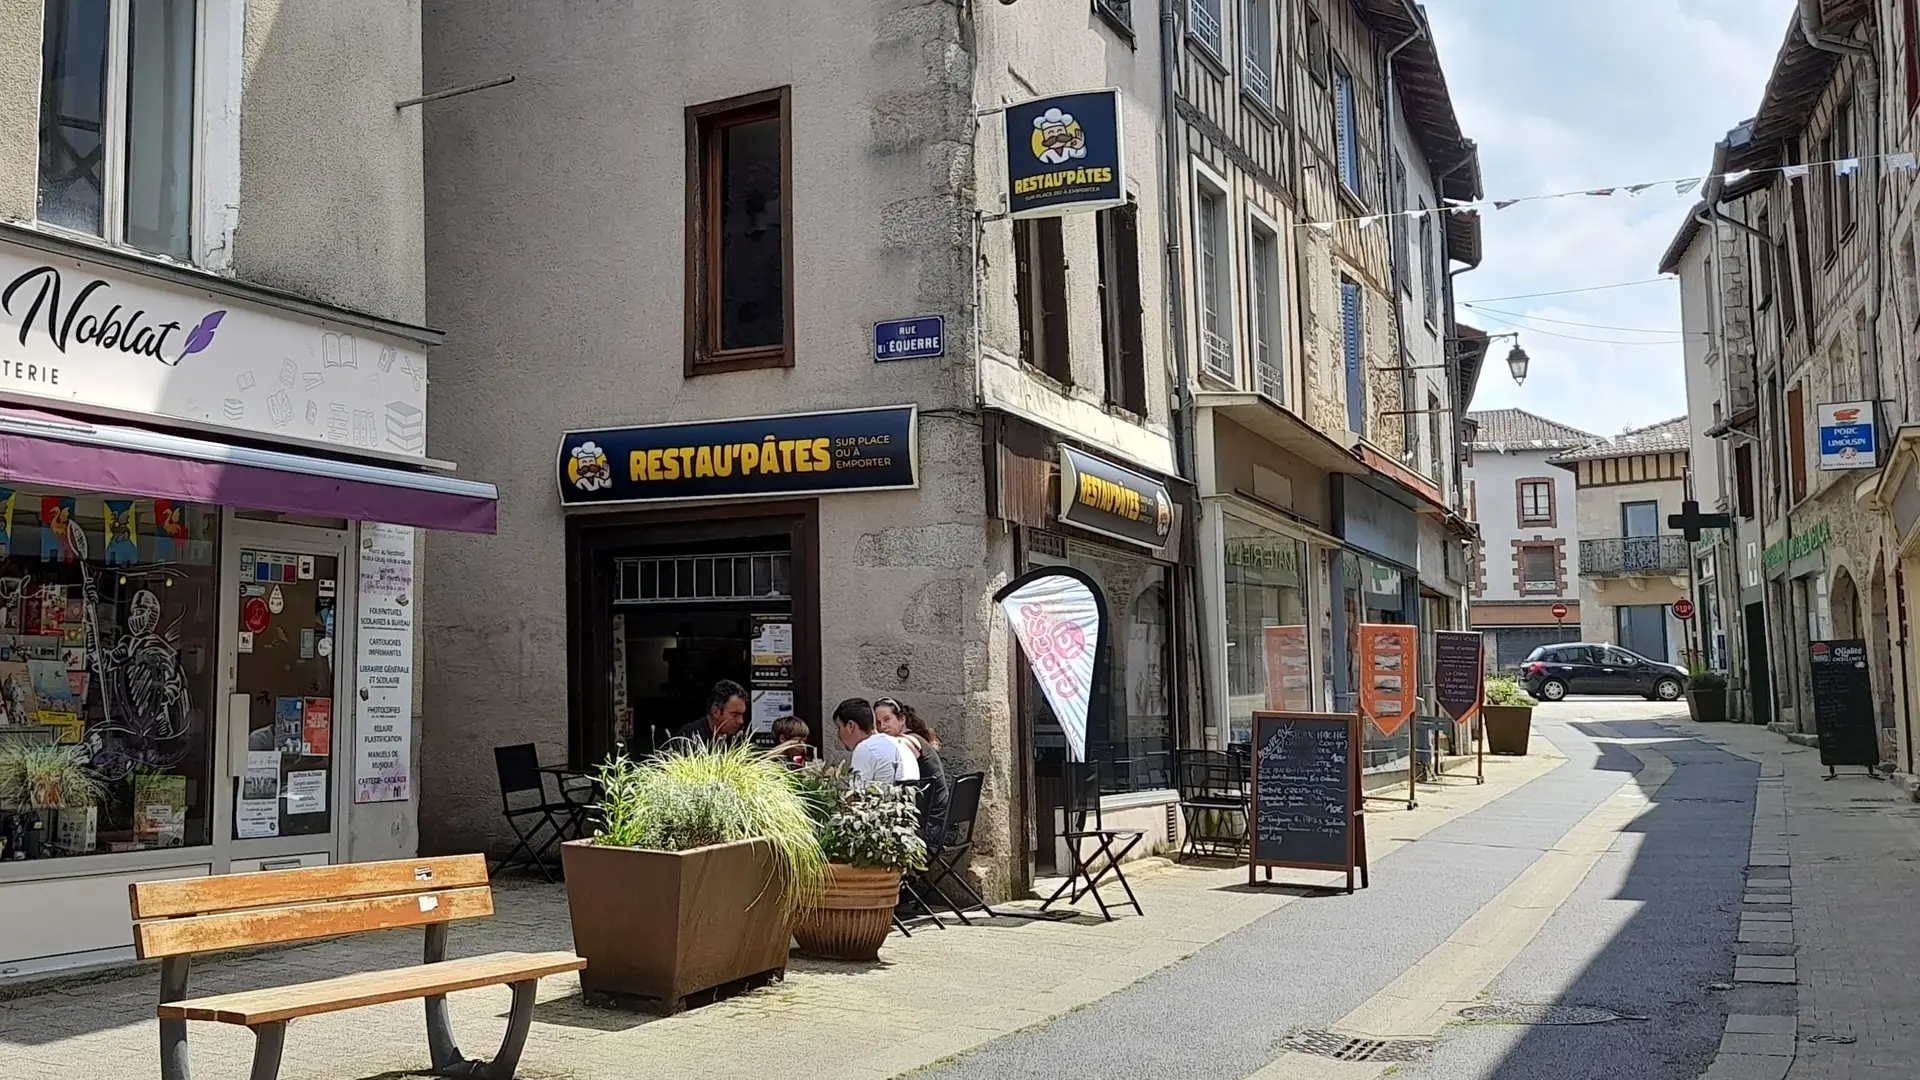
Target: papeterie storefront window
[
  {"x": 1268, "y": 652},
  {"x": 108, "y": 623}
]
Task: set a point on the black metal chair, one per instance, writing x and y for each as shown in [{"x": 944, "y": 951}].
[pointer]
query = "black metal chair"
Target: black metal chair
[
  {"x": 946, "y": 867},
  {"x": 1090, "y": 846},
  {"x": 533, "y": 818},
  {"x": 910, "y": 899},
  {"x": 1213, "y": 794}
]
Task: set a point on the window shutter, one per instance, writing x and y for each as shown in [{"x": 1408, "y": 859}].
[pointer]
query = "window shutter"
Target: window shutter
[
  {"x": 1797, "y": 442},
  {"x": 1356, "y": 381},
  {"x": 1053, "y": 300}
]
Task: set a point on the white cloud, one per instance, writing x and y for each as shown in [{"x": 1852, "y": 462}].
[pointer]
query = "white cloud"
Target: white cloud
[{"x": 1567, "y": 95}]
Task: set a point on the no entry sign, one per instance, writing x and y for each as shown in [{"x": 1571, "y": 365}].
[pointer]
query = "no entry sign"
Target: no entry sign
[{"x": 1559, "y": 611}]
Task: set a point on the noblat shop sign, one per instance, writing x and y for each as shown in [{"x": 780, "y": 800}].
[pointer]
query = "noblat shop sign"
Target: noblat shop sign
[{"x": 78, "y": 333}]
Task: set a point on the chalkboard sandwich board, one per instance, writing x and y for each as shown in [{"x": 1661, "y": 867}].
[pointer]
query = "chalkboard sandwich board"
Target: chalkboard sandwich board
[
  {"x": 1843, "y": 704},
  {"x": 1304, "y": 811}
]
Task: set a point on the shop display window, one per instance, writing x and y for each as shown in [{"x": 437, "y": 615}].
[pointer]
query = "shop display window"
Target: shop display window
[
  {"x": 108, "y": 628},
  {"x": 1269, "y": 662},
  {"x": 1134, "y": 751}
]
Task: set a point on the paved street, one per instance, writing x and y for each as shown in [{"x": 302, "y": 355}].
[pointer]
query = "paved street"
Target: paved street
[{"x": 1697, "y": 898}]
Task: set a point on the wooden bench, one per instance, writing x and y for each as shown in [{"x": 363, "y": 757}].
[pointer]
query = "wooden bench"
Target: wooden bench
[{"x": 176, "y": 920}]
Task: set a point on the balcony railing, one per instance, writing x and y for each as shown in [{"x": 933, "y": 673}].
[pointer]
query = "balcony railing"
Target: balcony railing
[
  {"x": 1273, "y": 382},
  {"x": 1259, "y": 82},
  {"x": 1652, "y": 556},
  {"x": 1204, "y": 23}
]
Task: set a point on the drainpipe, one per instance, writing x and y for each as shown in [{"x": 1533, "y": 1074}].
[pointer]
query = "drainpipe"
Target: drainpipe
[{"x": 1184, "y": 430}]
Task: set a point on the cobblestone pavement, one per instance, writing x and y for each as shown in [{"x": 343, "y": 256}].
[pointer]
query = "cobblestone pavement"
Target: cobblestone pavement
[
  {"x": 935, "y": 995},
  {"x": 1845, "y": 856},
  {"x": 1737, "y": 917}
]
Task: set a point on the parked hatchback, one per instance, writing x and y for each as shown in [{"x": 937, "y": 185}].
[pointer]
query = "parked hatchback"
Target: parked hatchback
[{"x": 1551, "y": 672}]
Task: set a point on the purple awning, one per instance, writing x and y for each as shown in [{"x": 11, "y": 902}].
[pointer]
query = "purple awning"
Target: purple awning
[{"x": 57, "y": 451}]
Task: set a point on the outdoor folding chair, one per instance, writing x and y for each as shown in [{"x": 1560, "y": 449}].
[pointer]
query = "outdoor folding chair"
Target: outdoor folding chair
[
  {"x": 537, "y": 823},
  {"x": 946, "y": 865},
  {"x": 1090, "y": 847},
  {"x": 908, "y": 894},
  {"x": 1213, "y": 794}
]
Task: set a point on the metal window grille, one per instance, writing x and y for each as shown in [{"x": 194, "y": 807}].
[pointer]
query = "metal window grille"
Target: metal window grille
[{"x": 687, "y": 579}]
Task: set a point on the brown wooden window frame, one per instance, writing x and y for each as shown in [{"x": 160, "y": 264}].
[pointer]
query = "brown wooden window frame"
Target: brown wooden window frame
[
  {"x": 1040, "y": 296},
  {"x": 704, "y": 122},
  {"x": 1122, "y": 315},
  {"x": 1520, "y": 502},
  {"x": 1552, "y": 551}
]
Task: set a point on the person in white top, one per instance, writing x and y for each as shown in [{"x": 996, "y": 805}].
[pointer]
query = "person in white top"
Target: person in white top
[{"x": 876, "y": 757}]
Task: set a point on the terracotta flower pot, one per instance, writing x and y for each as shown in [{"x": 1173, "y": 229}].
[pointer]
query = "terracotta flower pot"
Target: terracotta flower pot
[
  {"x": 851, "y": 919},
  {"x": 1509, "y": 728},
  {"x": 660, "y": 925}
]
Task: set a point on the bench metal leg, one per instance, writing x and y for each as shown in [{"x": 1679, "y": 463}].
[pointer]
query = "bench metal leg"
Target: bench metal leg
[
  {"x": 173, "y": 1033},
  {"x": 519, "y": 1020},
  {"x": 268, "y": 1041}
]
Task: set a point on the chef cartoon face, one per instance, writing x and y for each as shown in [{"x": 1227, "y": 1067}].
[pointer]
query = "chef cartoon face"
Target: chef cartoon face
[
  {"x": 588, "y": 469},
  {"x": 1057, "y": 138}
]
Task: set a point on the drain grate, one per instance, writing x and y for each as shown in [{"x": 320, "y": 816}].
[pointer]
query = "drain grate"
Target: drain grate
[
  {"x": 1541, "y": 1015},
  {"x": 1328, "y": 1044},
  {"x": 1832, "y": 1040}
]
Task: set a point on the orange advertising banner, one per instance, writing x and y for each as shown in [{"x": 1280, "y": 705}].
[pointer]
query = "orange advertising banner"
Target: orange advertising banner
[
  {"x": 1289, "y": 674},
  {"x": 1389, "y": 674}
]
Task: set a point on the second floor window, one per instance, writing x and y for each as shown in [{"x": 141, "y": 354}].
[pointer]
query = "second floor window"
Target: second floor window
[
  {"x": 739, "y": 248},
  {"x": 1203, "y": 21},
  {"x": 1120, "y": 329},
  {"x": 1040, "y": 293},
  {"x": 1215, "y": 299},
  {"x": 1346, "y": 129},
  {"x": 1536, "y": 502},
  {"x": 117, "y": 121},
  {"x": 1263, "y": 322},
  {"x": 1539, "y": 569},
  {"x": 1256, "y": 49}
]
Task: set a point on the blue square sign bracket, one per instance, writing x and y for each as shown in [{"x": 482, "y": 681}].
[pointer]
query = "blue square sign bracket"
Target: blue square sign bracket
[{"x": 910, "y": 339}]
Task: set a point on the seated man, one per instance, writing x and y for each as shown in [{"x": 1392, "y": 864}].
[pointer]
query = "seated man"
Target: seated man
[
  {"x": 876, "y": 758},
  {"x": 726, "y": 716}
]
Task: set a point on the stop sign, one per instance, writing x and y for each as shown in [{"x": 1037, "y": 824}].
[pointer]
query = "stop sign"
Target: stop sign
[
  {"x": 1559, "y": 611},
  {"x": 1683, "y": 608}
]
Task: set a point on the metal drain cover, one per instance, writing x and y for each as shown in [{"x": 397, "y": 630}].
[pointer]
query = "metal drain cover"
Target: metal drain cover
[
  {"x": 1832, "y": 1040},
  {"x": 1540, "y": 1015},
  {"x": 1328, "y": 1044}
]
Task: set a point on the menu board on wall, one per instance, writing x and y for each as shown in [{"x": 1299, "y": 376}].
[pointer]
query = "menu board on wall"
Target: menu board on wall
[
  {"x": 1288, "y": 668},
  {"x": 772, "y": 690},
  {"x": 383, "y": 668}
]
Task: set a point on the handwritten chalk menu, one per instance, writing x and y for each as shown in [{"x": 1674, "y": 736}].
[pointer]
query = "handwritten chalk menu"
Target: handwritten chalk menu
[
  {"x": 1458, "y": 671},
  {"x": 383, "y": 721},
  {"x": 1843, "y": 703},
  {"x": 1304, "y": 794}
]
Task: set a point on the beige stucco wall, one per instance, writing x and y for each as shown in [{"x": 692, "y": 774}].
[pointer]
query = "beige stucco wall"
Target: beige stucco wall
[
  {"x": 557, "y": 269},
  {"x": 330, "y": 173},
  {"x": 19, "y": 106}
]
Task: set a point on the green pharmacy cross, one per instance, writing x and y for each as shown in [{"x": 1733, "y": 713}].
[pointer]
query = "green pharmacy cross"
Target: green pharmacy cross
[{"x": 1691, "y": 522}]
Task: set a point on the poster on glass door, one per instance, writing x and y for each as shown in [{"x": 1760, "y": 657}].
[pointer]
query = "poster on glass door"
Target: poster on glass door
[{"x": 383, "y": 667}]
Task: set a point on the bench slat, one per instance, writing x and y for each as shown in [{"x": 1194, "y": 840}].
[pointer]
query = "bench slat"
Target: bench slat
[
  {"x": 252, "y": 1007},
  {"x": 302, "y": 922},
  {"x": 349, "y": 881}
]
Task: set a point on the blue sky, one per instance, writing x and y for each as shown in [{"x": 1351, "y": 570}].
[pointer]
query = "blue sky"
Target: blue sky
[{"x": 1569, "y": 95}]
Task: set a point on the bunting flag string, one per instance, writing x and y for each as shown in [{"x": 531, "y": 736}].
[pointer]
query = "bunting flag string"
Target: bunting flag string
[{"x": 1906, "y": 162}]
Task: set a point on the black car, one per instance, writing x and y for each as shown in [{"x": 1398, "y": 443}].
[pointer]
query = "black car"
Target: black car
[{"x": 1551, "y": 672}]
